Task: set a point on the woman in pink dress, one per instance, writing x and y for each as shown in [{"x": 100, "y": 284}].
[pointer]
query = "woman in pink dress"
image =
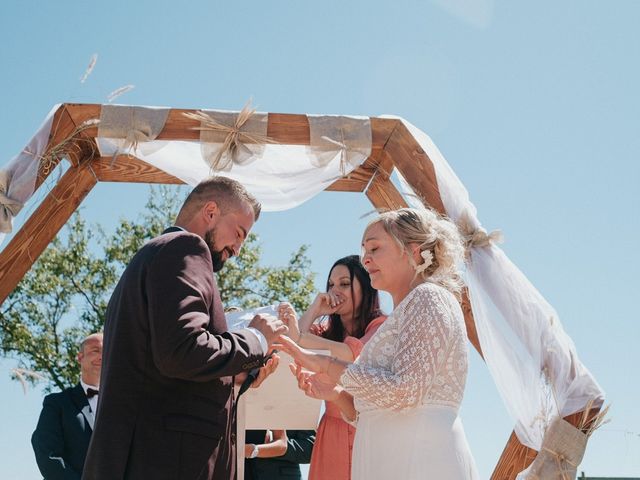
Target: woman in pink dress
[{"x": 352, "y": 308}]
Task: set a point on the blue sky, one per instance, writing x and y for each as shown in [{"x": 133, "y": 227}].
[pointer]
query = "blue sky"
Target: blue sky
[{"x": 534, "y": 104}]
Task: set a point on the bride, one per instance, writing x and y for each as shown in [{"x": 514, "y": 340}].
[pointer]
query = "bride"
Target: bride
[{"x": 409, "y": 379}]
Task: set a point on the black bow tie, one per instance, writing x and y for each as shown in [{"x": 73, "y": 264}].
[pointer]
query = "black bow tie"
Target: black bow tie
[{"x": 91, "y": 392}]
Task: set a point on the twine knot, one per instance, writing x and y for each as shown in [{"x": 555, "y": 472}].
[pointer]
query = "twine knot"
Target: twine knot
[
  {"x": 477, "y": 236},
  {"x": 345, "y": 160},
  {"x": 561, "y": 462},
  {"x": 233, "y": 149}
]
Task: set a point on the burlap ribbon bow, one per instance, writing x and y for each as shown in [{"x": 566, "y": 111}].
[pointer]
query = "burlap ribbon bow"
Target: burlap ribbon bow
[
  {"x": 229, "y": 138},
  {"x": 474, "y": 236},
  {"x": 9, "y": 207}
]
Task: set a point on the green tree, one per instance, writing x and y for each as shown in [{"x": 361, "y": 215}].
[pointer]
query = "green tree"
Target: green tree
[{"x": 64, "y": 295}]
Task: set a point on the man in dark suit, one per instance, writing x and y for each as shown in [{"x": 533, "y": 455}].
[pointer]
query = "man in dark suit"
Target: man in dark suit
[
  {"x": 167, "y": 408},
  {"x": 279, "y": 457},
  {"x": 61, "y": 438}
]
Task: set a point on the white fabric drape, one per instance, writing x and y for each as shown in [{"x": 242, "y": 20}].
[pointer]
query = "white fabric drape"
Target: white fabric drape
[
  {"x": 21, "y": 172},
  {"x": 532, "y": 360},
  {"x": 282, "y": 176}
]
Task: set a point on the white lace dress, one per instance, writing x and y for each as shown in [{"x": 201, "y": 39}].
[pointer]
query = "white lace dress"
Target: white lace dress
[{"x": 408, "y": 384}]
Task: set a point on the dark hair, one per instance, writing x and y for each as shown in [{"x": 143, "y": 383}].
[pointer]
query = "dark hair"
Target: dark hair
[
  {"x": 368, "y": 309},
  {"x": 228, "y": 193}
]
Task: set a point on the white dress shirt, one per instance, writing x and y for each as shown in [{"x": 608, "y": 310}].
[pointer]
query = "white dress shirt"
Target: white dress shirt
[{"x": 93, "y": 401}]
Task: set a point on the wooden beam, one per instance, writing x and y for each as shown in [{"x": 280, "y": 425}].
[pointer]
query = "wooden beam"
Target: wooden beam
[
  {"x": 127, "y": 168},
  {"x": 357, "y": 180},
  {"x": 514, "y": 459},
  {"x": 415, "y": 166},
  {"x": 43, "y": 224},
  {"x": 61, "y": 127},
  {"x": 472, "y": 331},
  {"x": 384, "y": 195},
  {"x": 381, "y": 191},
  {"x": 285, "y": 128}
]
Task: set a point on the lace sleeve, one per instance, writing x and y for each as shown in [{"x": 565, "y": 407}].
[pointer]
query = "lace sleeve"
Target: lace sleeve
[{"x": 418, "y": 353}]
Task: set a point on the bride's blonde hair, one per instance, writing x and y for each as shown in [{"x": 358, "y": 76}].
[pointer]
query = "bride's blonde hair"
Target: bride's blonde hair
[{"x": 435, "y": 234}]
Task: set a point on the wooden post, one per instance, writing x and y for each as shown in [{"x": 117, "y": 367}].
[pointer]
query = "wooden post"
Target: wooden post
[
  {"x": 34, "y": 236},
  {"x": 381, "y": 191}
]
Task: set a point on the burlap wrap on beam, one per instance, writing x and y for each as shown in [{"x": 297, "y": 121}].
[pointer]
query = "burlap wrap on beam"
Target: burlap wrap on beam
[
  {"x": 562, "y": 450},
  {"x": 332, "y": 135},
  {"x": 131, "y": 125},
  {"x": 229, "y": 138}
]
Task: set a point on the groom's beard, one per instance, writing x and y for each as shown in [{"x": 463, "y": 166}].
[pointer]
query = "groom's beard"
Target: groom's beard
[{"x": 216, "y": 255}]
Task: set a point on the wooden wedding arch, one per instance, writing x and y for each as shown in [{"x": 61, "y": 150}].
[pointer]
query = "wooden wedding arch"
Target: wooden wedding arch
[{"x": 392, "y": 146}]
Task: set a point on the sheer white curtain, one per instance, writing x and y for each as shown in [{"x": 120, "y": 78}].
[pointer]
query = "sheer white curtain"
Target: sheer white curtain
[
  {"x": 18, "y": 177},
  {"x": 280, "y": 176}
]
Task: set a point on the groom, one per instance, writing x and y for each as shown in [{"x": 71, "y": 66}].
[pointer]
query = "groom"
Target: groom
[{"x": 166, "y": 407}]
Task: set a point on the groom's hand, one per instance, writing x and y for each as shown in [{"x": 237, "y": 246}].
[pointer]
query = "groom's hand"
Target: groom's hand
[
  {"x": 269, "y": 326},
  {"x": 266, "y": 370}
]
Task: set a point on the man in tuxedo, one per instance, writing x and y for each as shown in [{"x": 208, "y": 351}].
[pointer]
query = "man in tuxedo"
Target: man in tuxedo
[
  {"x": 61, "y": 438},
  {"x": 167, "y": 407}
]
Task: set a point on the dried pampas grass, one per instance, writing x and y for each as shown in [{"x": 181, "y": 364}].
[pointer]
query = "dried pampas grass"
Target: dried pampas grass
[
  {"x": 72, "y": 143},
  {"x": 119, "y": 91},
  {"x": 92, "y": 64},
  {"x": 590, "y": 425}
]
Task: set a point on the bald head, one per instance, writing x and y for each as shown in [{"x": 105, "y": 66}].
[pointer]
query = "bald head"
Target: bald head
[
  {"x": 90, "y": 359},
  {"x": 90, "y": 339}
]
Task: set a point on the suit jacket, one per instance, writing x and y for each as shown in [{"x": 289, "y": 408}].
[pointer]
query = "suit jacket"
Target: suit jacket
[
  {"x": 61, "y": 438},
  {"x": 166, "y": 405},
  {"x": 299, "y": 448}
]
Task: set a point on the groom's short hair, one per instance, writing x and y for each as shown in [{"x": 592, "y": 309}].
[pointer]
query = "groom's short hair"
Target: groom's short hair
[{"x": 229, "y": 194}]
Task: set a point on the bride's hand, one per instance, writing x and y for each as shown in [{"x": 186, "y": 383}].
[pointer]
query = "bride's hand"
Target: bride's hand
[
  {"x": 316, "y": 385},
  {"x": 287, "y": 315},
  {"x": 314, "y": 362}
]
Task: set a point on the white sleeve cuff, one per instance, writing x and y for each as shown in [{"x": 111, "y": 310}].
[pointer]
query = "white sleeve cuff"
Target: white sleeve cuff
[{"x": 261, "y": 338}]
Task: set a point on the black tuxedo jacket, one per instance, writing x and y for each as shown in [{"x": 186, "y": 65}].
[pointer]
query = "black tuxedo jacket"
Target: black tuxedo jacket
[
  {"x": 61, "y": 438},
  {"x": 166, "y": 405}
]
